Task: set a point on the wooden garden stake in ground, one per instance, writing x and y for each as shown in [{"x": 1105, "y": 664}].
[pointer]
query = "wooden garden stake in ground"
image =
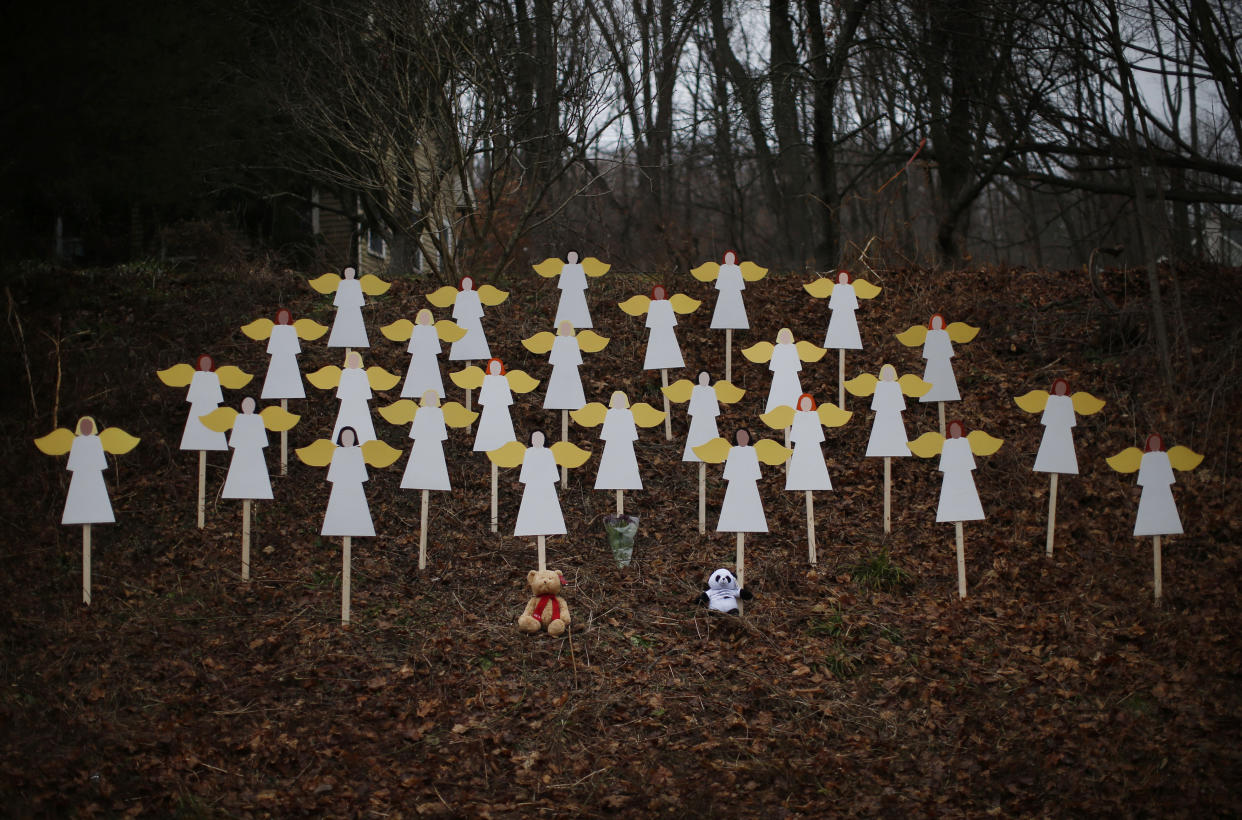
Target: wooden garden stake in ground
[
  {"x": 702, "y": 497},
  {"x": 810, "y": 528},
  {"x": 422, "y": 531},
  {"x": 888, "y": 494},
  {"x": 245, "y": 569},
  {"x": 741, "y": 567},
  {"x": 346, "y": 565},
  {"x": 961, "y": 560},
  {"x": 86, "y": 564},
  {"x": 202, "y": 488}
]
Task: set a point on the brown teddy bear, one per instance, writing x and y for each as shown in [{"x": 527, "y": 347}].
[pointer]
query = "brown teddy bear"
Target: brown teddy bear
[{"x": 547, "y": 608}]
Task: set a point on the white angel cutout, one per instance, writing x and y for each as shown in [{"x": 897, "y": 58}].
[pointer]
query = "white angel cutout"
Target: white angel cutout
[
  {"x": 618, "y": 465},
  {"x": 564, "y": 351},
  {"x": 959, "y": 499},
  {"x": 843, "y": 292},
  {"x": 572, "y": 282},
  {"x": 424, "y": 336},
  {"x": 495, "y": 430},
  {"x": 1157, "y": 510},
  {"x": 204, "y": 396},
  {"x": 468, "y": 314},
  {"x": 348, "y": 515},
  {"x": 888, "y": 430},
  {"x": 87, "y": 502},
  {"x": 703, "y": 408},
  {"x": 426, "y": 469},
  {"x": 807, "y": 470},
  {"x": 730, "y": 311},
  {"x": 348, "y": 329},
  {"x": 539, "y": 513},
  {"x": 353, "y": 390},
  {"x": 248, "y": 478},
  {"x": 742, "y": 509},
  {"x": 663, "y": 351},
  {"x": 937, "y": 340},
  {"x": 1056, "y": 449},
  {"x": 785, "y": 360}
]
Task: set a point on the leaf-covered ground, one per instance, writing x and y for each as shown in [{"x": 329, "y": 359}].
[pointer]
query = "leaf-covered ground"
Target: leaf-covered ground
[{"x": 862, "y": 685}]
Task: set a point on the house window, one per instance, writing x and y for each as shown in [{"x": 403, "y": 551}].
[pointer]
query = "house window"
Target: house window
[{"x": 376, "y": 246}]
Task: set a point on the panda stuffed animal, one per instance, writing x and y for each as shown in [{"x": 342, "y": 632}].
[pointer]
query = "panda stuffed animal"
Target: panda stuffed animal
[{"x": 722, "y": 593}]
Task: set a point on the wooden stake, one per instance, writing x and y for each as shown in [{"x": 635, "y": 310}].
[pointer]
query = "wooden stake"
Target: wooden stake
[
  {"x": 841, "y": 379},
  {"x": 1158, "y": 573},
  {"x": 810, "y": 529},
  {"x": 702, "y": 497},
  {"x": 541, "y": 540},
  {"x": 668, "y": 416},
  {"x": 86, "y": 564},
  {"x": 940, "y": 404},
  {"x": 620, "y": 502},
  {"x": 284, "y": 443},
  {"x": 202, "y": 488},
  {"x": 786, "y": 464},
  {"x": 422, "y": 533},
  {"x": 741, "y": 566},
  {"x": 888, "y": 494},
  {"x": 346, "y": 561},
  {"x": 564, "y": 437},
  {"x": 1052, "y": 512},
  {"x": 961, "y": 560},
  {"x": 245, "y": 539},
  {"x": 495, "y": 515},
  {"x": 729, "y": 354}
]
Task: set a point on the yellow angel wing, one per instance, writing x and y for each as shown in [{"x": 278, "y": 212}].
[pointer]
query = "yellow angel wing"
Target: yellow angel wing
[
  {"x": 771, "y": 453},
  {"x": 636, "y": 305},
  {"x": 372, "y": 285},
  {"x": 56, "y": 443},
  {"x": 259, "y": 329},
  {"x": 727, "y": 392},
  {"x": 683, "y": 304},
  {"x": 309, "y": 329},
  {"x": 318, "y": 454},
  {"x": 707, "y": 272},
  {"x": 589, "y": 415},
  {"x": 1127, "y": 461},
  {"x": 455, "y": 415},
  {"x": 1033, "y": 402},
  {"x": 381, "y": 379},
  {"x": 591, "y": 342},
  {"x": 220, "y": 420},
  {"x": 1184, "y": 458},
  {"x": 399, "y": 331},
  {"x": 913, "y": 336},
  {"x": 449, "y": 331},
  {"x": 443, "y": 297},
  {"x": 714, "y": 451},
  {"x": 862, "y": 385},
  {"x": 927, "y": 445},
  {"x": 539, "y": 343},
  {"x": 759, "y": 352},
  {"x": 983, "y": 444},
  {"x": 469, "y": 378},
  {"x": 594, "y": 268},
  {"x": 679, "y": 391},
  {"x": 278, "y": 419},
  {"x": 1086, "y": 404},
  {"x": 752, "y": 272},
  {"x": 961, "y": 332},
  {"x": 569, "y": 455},
  {"x": 326, "y": 377},
  {"x": 328, "y": 283},
  {"x": 914, "y": 386},
  {"x": 810, "y": 352},
  {"x": 821, "y": 288},
  {"x": 379, "y": 454},
  {"x": 510, "y": 455},
  {"x": 549, "y": 267},
  {"x": 399, "y": 412},
  {"x": 865, "y": 290},
  {"x": 234, "y": 378},
  {"x": 520, "y": 381},
  {"x": 645, "y": 415},
  {"x": 117, "y": 441},
  {"x": 179, "y": 375},
  {"x": 779, "y": 417},
  {"x": 491, "y": 296},
  {"x": 832, "y": 416}
]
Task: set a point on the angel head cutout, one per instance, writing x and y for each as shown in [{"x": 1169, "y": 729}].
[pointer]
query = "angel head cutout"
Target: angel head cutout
[
  {"x": 87, "y": 501},
  {"x": 1157, "y": 511},
  {"x": 1056, "y": 449}
]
